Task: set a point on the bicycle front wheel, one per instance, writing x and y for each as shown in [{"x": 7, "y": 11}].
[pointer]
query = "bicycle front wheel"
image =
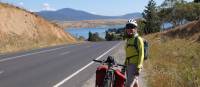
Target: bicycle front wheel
[{"x": 108, "y": 83}]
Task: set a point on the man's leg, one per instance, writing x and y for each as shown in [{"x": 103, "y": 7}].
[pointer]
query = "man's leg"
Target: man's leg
[
  {"x": 130, "y": 75},
  {"x": 135, "y": 82}
]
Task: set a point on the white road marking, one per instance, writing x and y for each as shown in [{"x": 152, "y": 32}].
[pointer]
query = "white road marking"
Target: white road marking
[
  {"x": 15, "y": 57},
  {"x": 72, "y": 75},
  {"x": 65, "y": 53},
  {"x": 88, "y": 46}
]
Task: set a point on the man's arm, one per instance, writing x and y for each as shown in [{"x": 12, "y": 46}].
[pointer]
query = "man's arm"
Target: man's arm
[
  {"x": 125, "y": 47},
  {"x": 141, "y": 52}
]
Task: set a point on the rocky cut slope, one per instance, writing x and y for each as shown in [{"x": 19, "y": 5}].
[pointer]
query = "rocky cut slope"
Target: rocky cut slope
[{"x": 20, "y": 29}]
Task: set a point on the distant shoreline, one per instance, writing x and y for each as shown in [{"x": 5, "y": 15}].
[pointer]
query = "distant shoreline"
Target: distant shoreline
[{"x": 91, "y": 23}]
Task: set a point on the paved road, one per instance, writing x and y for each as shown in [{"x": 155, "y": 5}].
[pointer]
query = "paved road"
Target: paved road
[{"x": 60, "y": 66}]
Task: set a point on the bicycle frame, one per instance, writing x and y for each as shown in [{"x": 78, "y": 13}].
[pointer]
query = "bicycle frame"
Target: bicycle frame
[{"x": 109, "y": 79}]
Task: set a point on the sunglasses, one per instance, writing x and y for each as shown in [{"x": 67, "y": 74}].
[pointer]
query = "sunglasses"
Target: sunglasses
[{"x": 130, "y": 26}]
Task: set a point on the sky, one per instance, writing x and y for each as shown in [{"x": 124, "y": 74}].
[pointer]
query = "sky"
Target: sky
[{"x": 99, "y": 7}]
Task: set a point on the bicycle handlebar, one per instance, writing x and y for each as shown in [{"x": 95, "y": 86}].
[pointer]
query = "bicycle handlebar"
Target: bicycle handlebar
[
  {"x": 121, "y": 65},
  {"x": 98, "y": 61},
  {"x": 116, "y": 64}
]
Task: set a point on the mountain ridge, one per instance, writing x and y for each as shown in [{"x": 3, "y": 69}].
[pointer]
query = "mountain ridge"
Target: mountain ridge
[{"x": 69, "y": 14}]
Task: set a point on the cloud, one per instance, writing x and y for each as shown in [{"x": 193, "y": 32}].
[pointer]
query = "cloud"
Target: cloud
[{"x": 46, "y": 6}]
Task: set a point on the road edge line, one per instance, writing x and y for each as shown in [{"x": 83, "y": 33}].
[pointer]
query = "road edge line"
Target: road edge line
[{"x": 28, "y": 54}]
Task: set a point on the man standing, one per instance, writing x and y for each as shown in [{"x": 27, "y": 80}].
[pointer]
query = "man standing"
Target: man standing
[{"x": 134, "y": 53}]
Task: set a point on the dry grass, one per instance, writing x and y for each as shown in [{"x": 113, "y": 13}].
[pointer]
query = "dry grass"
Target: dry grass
[
  {"x": 22, "y": 30},
  {"x": 173, "y": 62}
]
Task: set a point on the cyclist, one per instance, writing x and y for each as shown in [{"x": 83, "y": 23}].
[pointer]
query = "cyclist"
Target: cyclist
[{"x": 134, "y": 56}]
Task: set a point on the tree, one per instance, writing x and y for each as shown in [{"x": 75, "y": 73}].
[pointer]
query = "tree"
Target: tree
[
  {"x": 171, "y": 3},
  {"x": 169, "y": 12},
  {"x": 90, "y": 37},
  {"x": 152, "y": 23},
  {"x": 196, "y": 1},
  {"x": 141, "y": 25},
  {"x": 177, "y": 12},
  {"x": 94, "y": 37},
  {"x": 189, "y": 11},
  {"x": 110, "y": 36},
  {"x": 81, "y": 38}
]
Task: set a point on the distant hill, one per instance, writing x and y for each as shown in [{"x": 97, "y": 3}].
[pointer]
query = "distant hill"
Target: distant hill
[
  {"x": 128, "y": 16},
  {"x": 22, "y": 30},
  {"x": 68, "y": 14}
]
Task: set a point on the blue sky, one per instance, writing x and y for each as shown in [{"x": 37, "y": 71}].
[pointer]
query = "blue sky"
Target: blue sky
[{"x": 100, "y": 7}]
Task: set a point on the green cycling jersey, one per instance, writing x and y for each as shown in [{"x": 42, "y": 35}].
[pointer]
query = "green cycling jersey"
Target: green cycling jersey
[{"x": 132, "y": 55}]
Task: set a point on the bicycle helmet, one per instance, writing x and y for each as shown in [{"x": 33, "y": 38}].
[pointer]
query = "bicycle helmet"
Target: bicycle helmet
[
  {"x": 133, "y": 21},
  {"x": 131, "y": 24}
]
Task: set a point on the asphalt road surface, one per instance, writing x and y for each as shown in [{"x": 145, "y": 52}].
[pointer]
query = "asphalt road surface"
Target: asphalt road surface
[{"x": 59, "y": 66}]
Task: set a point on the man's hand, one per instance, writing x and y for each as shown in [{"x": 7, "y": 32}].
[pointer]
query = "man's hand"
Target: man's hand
[{"x": 137, "y": 72}]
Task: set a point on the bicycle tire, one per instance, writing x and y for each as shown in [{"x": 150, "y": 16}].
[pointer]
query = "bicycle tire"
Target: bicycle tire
[{"x": 108, "y": 83}]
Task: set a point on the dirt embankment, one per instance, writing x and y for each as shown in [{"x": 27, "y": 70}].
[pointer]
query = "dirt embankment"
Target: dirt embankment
[{"x": 20, "y": 30}]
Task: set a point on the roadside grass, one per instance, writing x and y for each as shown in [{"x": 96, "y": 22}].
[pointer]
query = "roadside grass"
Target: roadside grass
[{"x": 172, "y": 62}]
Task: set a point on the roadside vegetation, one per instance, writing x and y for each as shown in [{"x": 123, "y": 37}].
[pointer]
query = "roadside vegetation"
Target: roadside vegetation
[
  {"x": 114, "y": 34},
  {"x": 94, "y": 37},
  {"x": 174, "y": 52},
  {"x": 172, "y": 62}
]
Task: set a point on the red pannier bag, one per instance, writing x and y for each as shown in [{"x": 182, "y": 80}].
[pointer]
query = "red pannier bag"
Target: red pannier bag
[
  {"x": 119, "y": 79},
  {"x": 100, "y": 74}
]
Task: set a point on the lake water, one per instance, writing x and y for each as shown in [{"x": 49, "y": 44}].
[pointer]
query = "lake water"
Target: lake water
[
  {"x": 101, "y": 30},
  {"x": 166, "y": 25},
  {"x": 77, "y": 32}
]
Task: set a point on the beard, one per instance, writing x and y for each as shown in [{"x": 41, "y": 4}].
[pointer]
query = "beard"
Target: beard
[{"x": 130, "y": 35}]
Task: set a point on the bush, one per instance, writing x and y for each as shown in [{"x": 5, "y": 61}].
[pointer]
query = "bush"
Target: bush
[
  {"x": 114, "y": 34},
  {"x": 94, "y": 37}
]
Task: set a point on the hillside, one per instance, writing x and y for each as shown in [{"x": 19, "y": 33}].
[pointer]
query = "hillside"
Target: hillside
[
  {"x": 174, "y": 57},
  {"x": 131, "y": 15},
  {"x": 20, "y": 30},
  {"x": 190, "y": 31},
  {"x": 68, "y": 14}
]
